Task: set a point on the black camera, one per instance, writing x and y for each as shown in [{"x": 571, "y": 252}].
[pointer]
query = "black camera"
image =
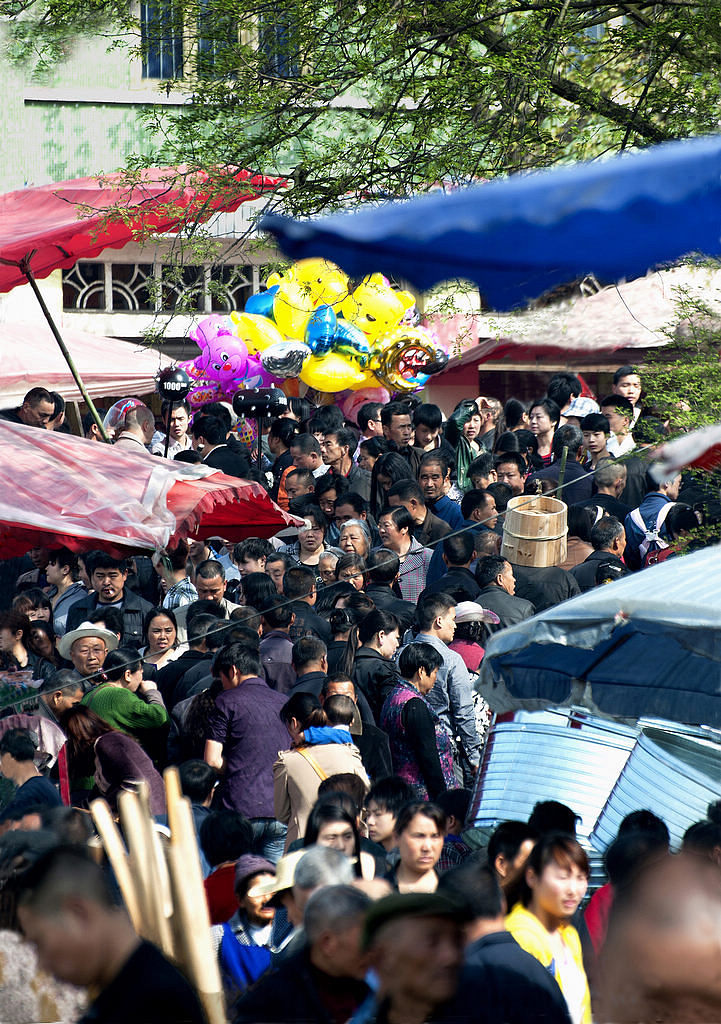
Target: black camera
[{"x": 259, "y": 403}]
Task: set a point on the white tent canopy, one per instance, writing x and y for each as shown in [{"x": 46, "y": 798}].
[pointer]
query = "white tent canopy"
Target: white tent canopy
[{"x": 30, "y": 357}]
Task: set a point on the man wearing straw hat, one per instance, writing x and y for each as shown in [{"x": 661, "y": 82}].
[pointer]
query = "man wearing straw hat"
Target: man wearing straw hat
[
  {"x": 83, "y": 936},
  {"x": 87, "y": 647}
]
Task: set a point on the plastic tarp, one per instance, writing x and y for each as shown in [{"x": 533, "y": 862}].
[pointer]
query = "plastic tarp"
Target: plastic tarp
[
  {"x": 701, "y": 449},
  {"x": 520, "y": 236},
  {"x": 57, "y": 489},
  {"x": 56, "y": 225},
  {"x": 30, "y": 356},
  {"x": 649, "y": 644}
]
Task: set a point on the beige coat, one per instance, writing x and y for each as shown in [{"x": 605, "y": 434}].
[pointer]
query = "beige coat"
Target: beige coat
[{"x": 295, "y": 781}]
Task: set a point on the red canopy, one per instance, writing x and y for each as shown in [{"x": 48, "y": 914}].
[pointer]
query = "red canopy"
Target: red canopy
[
  {"x": 56, "y": 225},
  {"x": 57, "y": 489}
]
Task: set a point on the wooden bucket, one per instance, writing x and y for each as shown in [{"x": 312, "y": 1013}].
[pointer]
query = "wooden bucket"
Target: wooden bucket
[{"x": 534, "y": 531}]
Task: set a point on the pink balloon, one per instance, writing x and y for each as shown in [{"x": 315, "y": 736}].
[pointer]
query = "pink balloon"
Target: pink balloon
[
  {"x": 223, "y": 356},
  {"x": 204, "y": 393},
  {"x": 350, "y": 405}
]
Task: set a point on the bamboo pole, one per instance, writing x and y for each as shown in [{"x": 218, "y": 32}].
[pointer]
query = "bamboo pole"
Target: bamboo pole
[
  {"x": 140, "y": 851},
  {"x": 159, "y": 878},
  {"x": 118, "y": 857},
  {"x": 190, "y": 904}
]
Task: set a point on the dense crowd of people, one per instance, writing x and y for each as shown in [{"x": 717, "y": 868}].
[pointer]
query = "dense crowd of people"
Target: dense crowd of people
[{"x": 316, "y": 691}]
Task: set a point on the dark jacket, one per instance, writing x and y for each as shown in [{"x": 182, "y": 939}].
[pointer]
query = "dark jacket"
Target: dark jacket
[
  {"x": 147, "y": 988},
  {"x": 519, "y": 987},
  {"x": 460, "y": 583},
  {"x": 308, "y": 682},
  {"x": 307, "y": 621},
  {"x": 168, "y": 677},
  {"x": 585, "y": 573},
  {"x": 575, "y": 489},
  {"x": 290, "y": 995},
  {"x": 375, "y": 751},
  {"x": 359, "y": 481},
  {"x": 374, "y": 676},
  {"x": 276, "y": 649},
  {"x": 431, "y": 529},
  {"x": 383, "y": 597},
  {"x": 229, "y": 460},
  {"x": 508, "y": 608},
  {"x": 609, "y": 504},
  {"x": 133, "y": 609},
  {"x": 413, "y": 457},
  {"x": 544, "y": 587}
]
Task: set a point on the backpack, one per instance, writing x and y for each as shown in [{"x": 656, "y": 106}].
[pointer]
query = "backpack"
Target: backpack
[{"x": 653, "y": 541}]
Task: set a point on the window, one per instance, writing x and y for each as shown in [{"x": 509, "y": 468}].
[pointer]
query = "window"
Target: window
[
  {"x": 275, "y": 40},
  {"x": 161, "y": 27},
  {"x": 158, "y": 287}
]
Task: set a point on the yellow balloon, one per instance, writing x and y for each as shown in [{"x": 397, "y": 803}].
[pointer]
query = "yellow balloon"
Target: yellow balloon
[
  {"x": 292, "y": 308},
  {"x": 325, "y": 281},
  {"x": 333, "y": 373},
  {"x": 257, "y": 332},
  {"x": 375, "y": 308}
]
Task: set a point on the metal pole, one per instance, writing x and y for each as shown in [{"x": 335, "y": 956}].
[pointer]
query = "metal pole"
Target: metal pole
[
  {"x": 25, "y": 267},
  {"x": 167, "y": 429},
  {"x": 259, "y": 467}
]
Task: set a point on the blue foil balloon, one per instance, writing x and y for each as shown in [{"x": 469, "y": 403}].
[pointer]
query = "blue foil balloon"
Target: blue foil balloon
[
  {"x": 262, "y": 302},
  {"x": 320, "y": 330},
  {"x": 351, "y": 341}
]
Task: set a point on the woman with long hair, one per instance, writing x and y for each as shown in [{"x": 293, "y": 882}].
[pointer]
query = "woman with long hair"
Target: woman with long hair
[
  {"x": 34, "y": 603},
  {"x": 419, "y": 832},
  {"x": 513, "y": 417},
  {"x": 342, "y": 648},
  {"x": 373, "y": 670},
  {"x": 551, "y": 888},
  {"x": 298, "y": 772},
  {"x": 463, "y": 426},
  {"x": 388, "y": 470},
  {"x": 332, "y": 824},
  {"x": 104, "y": 758}
]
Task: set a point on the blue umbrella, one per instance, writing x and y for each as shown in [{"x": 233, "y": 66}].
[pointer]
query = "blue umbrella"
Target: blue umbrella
[{"x": 520, "y": 236}]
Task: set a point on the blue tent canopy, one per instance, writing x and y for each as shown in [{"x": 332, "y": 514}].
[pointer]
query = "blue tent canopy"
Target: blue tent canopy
[{"x": 518, "y": 237}]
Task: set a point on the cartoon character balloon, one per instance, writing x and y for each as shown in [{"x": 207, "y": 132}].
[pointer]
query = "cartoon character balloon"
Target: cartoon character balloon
[
  {"x": 223, "y": 356},
  {"x": 375, "y": 308}
]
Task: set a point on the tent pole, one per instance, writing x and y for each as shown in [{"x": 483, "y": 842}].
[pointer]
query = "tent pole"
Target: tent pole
[{"x": 24, "y": 266}]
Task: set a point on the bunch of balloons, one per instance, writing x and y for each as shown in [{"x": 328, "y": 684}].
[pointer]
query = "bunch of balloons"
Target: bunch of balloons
[{"x": 310, "y": 324}]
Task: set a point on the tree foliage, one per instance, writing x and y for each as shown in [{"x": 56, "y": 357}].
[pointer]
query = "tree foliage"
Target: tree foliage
[{"x": 390, "y": 97}]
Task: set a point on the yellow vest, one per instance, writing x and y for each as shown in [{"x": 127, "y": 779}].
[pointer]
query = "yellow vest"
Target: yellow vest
[{"x": 529, "y": 933}]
